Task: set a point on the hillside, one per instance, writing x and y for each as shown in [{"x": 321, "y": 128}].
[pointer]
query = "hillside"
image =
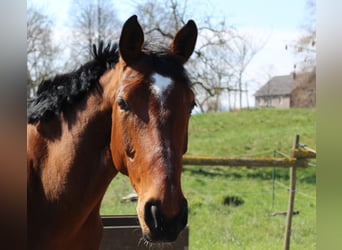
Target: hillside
[{"x": 250, "y": 132}]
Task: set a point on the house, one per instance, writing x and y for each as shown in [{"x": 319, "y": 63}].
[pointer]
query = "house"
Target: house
[
  {"x": 286, "y": 91},
  {"x": 276, "y": 92}
]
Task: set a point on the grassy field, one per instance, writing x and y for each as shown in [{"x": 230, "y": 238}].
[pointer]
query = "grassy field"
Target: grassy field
[{"x": 214, "y": 222}]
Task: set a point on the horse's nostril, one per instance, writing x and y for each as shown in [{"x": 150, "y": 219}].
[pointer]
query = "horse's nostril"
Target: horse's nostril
[{"x": 154, "y": 215}]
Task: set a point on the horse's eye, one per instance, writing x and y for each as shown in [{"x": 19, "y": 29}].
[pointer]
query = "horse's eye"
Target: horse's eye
[
  {"x": 192, "y": 106},
  {"x": 123, "y": 104}
]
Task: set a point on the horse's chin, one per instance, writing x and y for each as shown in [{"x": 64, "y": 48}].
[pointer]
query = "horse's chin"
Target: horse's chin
[{"x": 157, "y": 239}]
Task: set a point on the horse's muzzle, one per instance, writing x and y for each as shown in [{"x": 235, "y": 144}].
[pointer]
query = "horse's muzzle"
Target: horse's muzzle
[{"x": 162, "y": 229}]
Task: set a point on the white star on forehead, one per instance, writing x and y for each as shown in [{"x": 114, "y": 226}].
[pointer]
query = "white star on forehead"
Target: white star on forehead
[{"x": 160, "y": 86}]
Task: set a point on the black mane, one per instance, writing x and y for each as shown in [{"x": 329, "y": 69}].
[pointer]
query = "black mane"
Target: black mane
[{"x": 53, "y": 94}]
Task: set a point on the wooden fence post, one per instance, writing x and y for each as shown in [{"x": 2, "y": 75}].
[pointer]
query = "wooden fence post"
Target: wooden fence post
[{"x": 291, "y": 198}]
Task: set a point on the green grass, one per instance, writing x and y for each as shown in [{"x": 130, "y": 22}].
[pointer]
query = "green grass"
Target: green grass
[
  {"x": 214, "y": 225},
  {"x": 250, "y": 132}
]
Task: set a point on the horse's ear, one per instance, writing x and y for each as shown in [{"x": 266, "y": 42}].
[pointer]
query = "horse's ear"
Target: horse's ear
[
  {"x": 185, "y": 40},
  {"x": 131, "y": 40}
]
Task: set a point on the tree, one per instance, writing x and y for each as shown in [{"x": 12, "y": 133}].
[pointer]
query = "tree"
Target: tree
[
  {"x": 94, "y": 21},
  {"x": 211, "y": 68},
  {"x": 40, "y": 49},
  {"x": 305, "y": 46},
  {"x": 243, "y": 53},
  {"x": 304, "y": 94}
]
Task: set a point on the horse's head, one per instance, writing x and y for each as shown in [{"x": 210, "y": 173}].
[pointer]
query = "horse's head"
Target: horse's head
[{"x": 152, "y": 105}]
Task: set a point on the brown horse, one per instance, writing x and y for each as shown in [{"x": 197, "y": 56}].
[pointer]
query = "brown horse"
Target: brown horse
[{"x": 126, "y": 111}]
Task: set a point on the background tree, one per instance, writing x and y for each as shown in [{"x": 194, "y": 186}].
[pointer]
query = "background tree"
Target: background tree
[
  {"x": 243, "y": 53},
  {"x": 211, "y": 68},
  {"x": 40, "y": 49},
  {"x": 304, "y": 94},
  {"x": 93, "y": 21},
  {"x": 305, "y": 47}
]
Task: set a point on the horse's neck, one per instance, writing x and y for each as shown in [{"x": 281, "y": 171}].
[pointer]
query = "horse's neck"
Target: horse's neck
[
  {"x": 69, "y": 169},
  {"x": 76, "y": 162}
]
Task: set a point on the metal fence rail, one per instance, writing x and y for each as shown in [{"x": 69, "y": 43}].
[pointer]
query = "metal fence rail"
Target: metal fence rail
[{"x": 245, "y": 161}]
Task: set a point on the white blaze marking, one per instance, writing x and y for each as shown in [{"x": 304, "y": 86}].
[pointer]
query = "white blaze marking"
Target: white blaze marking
[{"x": 160, "y": 85}]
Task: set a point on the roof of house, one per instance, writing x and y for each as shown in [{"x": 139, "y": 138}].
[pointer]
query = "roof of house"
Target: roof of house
[{"x": 277, "y": 85}]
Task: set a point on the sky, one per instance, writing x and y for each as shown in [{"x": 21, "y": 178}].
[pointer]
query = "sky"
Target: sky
[{"x": 273, "y": 23}]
